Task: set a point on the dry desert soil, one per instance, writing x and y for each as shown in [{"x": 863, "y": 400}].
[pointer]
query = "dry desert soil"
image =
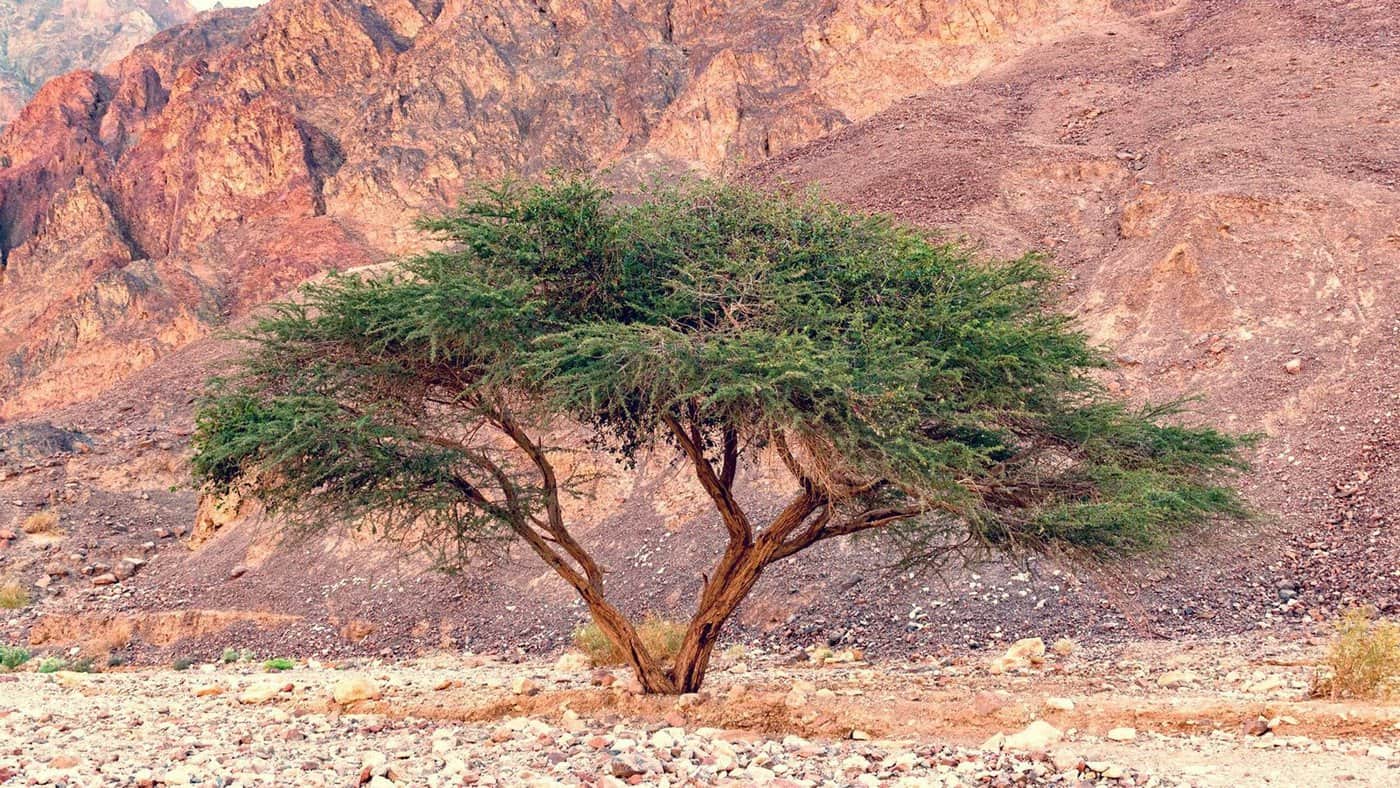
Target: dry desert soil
[{"x": 1234, "y": 712}]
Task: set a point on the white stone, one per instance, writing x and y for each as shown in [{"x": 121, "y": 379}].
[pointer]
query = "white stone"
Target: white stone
[
  {"x": 1122, "y": 734},
  {"x": 1039, "y": 735}
]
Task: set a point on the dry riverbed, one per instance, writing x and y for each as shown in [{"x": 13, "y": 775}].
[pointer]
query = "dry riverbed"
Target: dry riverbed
[{"x": 1212, "y": 713}]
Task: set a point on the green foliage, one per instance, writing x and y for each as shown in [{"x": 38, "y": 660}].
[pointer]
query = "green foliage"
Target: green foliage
[
  {"x": 1364, "y": 661},
  {"x": 278, "y": 664},
  {"x": 900, "y": 373},
  {"x": 662, "y": 638},
  {"x": 12, "y": 657},
  {"x": 231, "y": 655},
  {"x": 57, "y": 664},
  {"x": 182, "y": 664}
]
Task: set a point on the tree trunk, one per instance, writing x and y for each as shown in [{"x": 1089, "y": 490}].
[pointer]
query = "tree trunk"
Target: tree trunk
[
  {"x": 737, "y": 575},
  {"x": 654, "y": 679}
]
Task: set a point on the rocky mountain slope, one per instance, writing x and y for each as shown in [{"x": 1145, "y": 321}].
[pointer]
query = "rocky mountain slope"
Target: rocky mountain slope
[
  {"x": 1218, "y": 179},
  {"x": 229, "y": 159},
  {"x": 41, "y": 39},
  {"x": 1222, "y": 185}
]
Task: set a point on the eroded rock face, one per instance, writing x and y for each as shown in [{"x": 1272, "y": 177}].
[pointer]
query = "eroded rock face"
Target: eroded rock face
[
  {"x": 41, "y": 39},
  {"x": 231, "y": 158}
]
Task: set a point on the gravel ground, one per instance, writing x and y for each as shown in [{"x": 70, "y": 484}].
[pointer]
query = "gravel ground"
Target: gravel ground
[{"x": 455, "y": 720}]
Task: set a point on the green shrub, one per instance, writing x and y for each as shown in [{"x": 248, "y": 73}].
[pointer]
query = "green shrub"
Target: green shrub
[
  {"x": 13, "y": 594},
  {"x": 12, "y": 657},
  {"x": 278, "y": 664},
  {"x": 1364, "y": 661},
  {"x": 662, "y": 638},
  {"x": 229, "y": 656},
  {"x": 55, "y": 665},
  {"x": 183, "y": 663}
]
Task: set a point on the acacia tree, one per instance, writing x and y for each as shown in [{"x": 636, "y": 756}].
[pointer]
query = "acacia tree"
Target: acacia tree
[{"x": 907, "y": 385}]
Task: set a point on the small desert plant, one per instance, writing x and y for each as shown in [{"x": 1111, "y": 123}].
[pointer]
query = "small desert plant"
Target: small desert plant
[
  {"x": 12, "y": 657},
  {"x": 41, "y": 522},
  {"x": 183, "y": 663},
  {"x": 278, "y": 664},
  {"x": 55, "y": 665},
  {"x": 115, "y": 660},
  {"x": 229, "y": 656},
  {"x": 13, "y": 594},
  {"x": 661, "y": 637},
  {"x": 1364, "y": 661}
]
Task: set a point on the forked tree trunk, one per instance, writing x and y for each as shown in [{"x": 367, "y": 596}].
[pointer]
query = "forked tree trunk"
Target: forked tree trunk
[
  {"x": 735, "y": 578},
  {"x": 721, "y": 597}
]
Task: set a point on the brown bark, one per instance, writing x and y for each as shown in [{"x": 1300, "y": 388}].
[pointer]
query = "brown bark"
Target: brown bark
[
  {"x": 654, "y": 679},
  {"x": 721, "y": 597},
  {"x": 734, "y": 578},
  {"x": 745, "y": 557}
]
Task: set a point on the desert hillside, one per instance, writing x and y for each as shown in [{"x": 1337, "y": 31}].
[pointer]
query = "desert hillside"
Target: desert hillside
[
  {"x": 229, "y": 159},
  {"x": 1221, "y": 185},
  {"x": 41, "y": 39},
  {"x": 1218, "y": 181}
]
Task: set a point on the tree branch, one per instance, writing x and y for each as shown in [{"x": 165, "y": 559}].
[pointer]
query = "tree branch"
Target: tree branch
[
  {"x": 821, "y": 529},
  {"x": 554, "y": 512},
  {"x": 735, "y": 521},
  {"x": 808, "y": 483},
  {"x": 731, "y": 458}
]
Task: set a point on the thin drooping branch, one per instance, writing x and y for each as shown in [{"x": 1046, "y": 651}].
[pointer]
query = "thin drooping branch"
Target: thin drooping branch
[
  {"x": 833, "y": 488},
  {"x": 793, "y": 466}
]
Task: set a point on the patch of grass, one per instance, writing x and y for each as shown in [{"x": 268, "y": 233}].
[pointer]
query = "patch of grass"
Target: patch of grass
[
  {"x": 736, "y": 653},
  {"x": 661, "y": 637},
  {"x": 278, "y": 664},
  {"x": 12, "y": 657},
  {"x": 51, "y": 665},
  {"x": 229, "y": 656},
  {"x": 13, "y": 594},
  {"x": 44, "y": 522},
  {"x": 1364, "y": 661},
  {"x": 183, "y": 663}
]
